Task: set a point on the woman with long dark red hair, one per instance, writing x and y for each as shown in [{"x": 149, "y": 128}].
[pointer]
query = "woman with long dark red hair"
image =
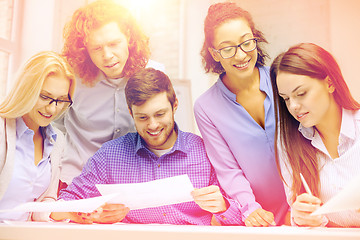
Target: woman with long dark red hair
[{"x": 318, "y": 132}]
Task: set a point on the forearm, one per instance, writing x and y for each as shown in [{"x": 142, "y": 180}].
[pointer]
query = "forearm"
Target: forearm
[
  {"x": 60, "y": 216},
  {"x": 83, "y": 218}
]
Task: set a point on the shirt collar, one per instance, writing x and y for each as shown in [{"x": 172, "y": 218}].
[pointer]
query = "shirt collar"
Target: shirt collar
[
  {"x": 180, "y": 144},
  {"x": 21, "y": 127},
  {"x": 115, "y": 83},
  {"x": 308, "y": 133},
  {"x": 224, "y": 89},
  {"x": 347, "y": 126},
  {"x": 48, "y": 131},
  {"x": 263, "y": 85}
]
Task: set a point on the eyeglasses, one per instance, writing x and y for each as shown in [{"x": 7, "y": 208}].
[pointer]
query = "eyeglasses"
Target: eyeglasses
[
  {"x": 62, "y": 103},
  {"x": 246, "y": 46}
]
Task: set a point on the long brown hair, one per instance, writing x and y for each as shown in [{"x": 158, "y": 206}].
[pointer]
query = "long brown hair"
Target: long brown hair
[{"x": 310, "y": 60}]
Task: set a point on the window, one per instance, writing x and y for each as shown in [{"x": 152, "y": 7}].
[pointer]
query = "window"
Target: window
[{"x": 9, "y": 40}]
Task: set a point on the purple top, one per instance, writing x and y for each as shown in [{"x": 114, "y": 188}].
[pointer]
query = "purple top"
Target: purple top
[
  {"x": 127, "y": 160},
  {"x": 241, "y": 151}
]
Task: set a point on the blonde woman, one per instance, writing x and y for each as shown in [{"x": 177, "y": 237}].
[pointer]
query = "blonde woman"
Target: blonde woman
[{"x": 30, "y": 148}]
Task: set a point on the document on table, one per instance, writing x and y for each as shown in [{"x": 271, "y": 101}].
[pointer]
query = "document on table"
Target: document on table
[
  {"x": 82, "y": 205},
  {"x": 134, "y": 195},
  {"x": 347, "y": 199},
  {"x": 150, "y": 194}
]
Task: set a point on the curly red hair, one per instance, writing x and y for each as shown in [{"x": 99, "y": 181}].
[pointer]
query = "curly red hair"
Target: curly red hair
[{"x": 93, "y": 16}]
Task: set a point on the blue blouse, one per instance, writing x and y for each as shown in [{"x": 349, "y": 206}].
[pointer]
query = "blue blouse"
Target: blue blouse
[
  {"x": 28, "y": 180},
  {"x": 241, "y": 151}
]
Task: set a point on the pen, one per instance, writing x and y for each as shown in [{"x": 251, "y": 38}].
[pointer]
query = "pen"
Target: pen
[{"x": 306, "y": 186}]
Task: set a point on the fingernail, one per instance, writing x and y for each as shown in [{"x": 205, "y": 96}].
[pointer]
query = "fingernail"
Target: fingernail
[{"x": 273, "y": 223}]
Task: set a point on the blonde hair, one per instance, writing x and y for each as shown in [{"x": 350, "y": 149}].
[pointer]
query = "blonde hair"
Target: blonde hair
[{"x": 29, "y": 81}]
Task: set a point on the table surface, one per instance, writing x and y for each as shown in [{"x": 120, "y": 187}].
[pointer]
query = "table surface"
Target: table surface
[{"x": 64, "y": 231}]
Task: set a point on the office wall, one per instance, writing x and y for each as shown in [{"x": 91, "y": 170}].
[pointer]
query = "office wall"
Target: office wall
[
  {"x": 328, "y": 23},
  {"x": 38, "y": 27},
  {"x": 344, "y": 38},
  {"x": 175, "y": 28}
]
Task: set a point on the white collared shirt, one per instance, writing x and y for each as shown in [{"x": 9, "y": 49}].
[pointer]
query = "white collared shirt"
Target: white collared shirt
[{"x": 334, "y": 173}]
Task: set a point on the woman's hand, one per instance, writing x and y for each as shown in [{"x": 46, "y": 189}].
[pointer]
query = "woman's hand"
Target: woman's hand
[
  {"x": 260, "y": 218},
  {"x": 301, "y": 209}
]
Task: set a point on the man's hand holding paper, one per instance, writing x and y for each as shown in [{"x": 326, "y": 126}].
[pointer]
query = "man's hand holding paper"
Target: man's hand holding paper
[{"x": 210, "y": 199}]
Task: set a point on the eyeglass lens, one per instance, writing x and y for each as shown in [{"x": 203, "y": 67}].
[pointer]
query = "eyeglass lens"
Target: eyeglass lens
[
  {"x": 247, "y": 46},
  {"x": 58, "y": 102}
]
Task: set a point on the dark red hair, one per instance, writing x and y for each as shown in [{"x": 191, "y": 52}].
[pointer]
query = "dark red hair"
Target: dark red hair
[
  {"x": 218, "y": 14},
  {"x": 309, "y": 60}
]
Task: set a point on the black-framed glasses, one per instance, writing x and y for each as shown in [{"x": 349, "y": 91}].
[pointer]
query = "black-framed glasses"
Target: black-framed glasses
[
  {"x": 230, "y": 51},
  {"x": 58, "y": 102}
]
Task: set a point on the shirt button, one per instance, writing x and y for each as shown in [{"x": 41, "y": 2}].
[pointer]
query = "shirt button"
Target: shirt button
[
  {"x": 117, "y": 130},
  {"x": 118, "y": 110},
  {"x": 164, "y": 214},
  {"x": 223, "y": 217},
  {"x": 158, "y": 165}
]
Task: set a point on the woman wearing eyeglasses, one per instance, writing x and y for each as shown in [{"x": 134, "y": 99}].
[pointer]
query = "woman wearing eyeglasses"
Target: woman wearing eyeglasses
[
  {"x": 30, "y": 148},
  {"x": 236, "y": 115}
]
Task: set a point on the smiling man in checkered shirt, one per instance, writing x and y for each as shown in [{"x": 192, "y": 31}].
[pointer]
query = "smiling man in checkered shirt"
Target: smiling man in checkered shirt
[{"x": 158, "y": 150}]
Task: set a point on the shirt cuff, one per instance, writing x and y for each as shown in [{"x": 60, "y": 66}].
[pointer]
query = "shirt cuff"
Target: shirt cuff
[{"x": 232, "y": 216}]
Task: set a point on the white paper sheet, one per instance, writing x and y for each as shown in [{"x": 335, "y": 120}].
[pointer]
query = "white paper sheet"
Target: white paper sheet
[
  {"x": 150, "y": 194},
  {"x": 135, "y": 196},
  {"x": 346, "y": 199},
  {"x": 82, "y": 205}
]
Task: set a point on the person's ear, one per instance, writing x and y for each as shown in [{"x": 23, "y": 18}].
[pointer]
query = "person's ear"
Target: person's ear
[
  {"x": 175, "y": 106},
  {"x": 214, "y": 54},
  {"x": 330, "y": 85}
]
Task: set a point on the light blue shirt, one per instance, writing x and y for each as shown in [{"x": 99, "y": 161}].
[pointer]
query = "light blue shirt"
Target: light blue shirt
[
  {"x": 241, "y": 151},
  {"x": 28, "y": 181}
]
